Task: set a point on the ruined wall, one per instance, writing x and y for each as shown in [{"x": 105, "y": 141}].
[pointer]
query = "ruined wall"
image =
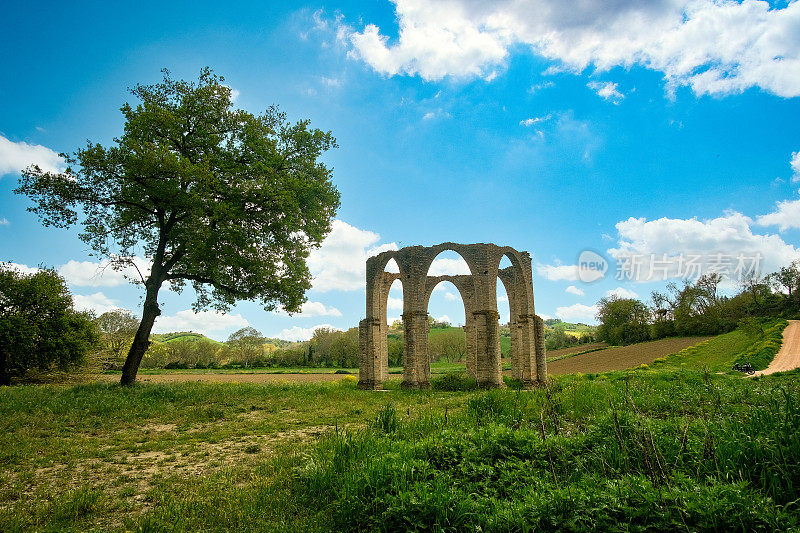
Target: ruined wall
[{"x": 479, "y": 293}]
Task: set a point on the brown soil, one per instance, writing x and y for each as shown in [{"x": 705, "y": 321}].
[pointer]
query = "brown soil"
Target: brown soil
[
  {"x": 622, "y": 357},
  {"x": 551, "y": 354}
]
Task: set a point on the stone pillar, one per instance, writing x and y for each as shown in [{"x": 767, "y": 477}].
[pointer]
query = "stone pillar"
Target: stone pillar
[
  {"x": 516, "y": 352},
  {"x": 526, "y": 333},
  {"x": 371, "y": 373},
  {"x": 488, "y": 369},
  {"x": 416, "y": 366},
  {"x": 541, "y": 352},
  {"x": 471, "y": 341}
]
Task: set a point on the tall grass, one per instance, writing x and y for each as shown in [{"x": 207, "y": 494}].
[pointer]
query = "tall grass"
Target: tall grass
[{"x": 673, "y": 451}]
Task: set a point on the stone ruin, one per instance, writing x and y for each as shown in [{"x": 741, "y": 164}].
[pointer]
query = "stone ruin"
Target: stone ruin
[{"x": 478, "y": 292}]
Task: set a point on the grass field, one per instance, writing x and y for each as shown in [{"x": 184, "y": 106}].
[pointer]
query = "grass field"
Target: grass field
[{"x": 670, "y": 446}]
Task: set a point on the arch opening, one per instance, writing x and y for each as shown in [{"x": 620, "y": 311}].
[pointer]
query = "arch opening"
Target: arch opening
[
  {"x": 393, "y": 337},
  {"x": 449, "y": 262},
  {"x": 447, "y": 339}
]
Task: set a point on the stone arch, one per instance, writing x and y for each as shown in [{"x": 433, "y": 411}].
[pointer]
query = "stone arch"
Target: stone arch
[
  {"x": 478, "y": 292},
  {"x": 373, "y": 330},
  {"x": 465, "y": 287}
]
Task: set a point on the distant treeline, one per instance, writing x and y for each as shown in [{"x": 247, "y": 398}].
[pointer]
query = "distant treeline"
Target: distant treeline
[
  {"x": 327, "y": 348},
  {"x": 698, "y": 308}
]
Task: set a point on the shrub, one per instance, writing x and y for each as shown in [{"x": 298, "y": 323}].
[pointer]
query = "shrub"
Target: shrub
[
  {"x": 762, "y": 352},
  {"x": 39, "y": 329}
]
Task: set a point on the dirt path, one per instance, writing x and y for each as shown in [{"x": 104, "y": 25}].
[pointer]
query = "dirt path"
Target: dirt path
[{"x": 788, "y": 357}]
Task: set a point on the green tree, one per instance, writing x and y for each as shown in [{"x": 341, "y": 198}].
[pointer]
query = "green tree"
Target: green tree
[
  {"x": 623, "y": 320},
  {"x": 39, "y": 329},
  {"x": 228, "y": 201},
  {"x": 344, "y": 348},
  {"x": 450, "y": 345},
  {"x": 246, "y": 345},
  {"x": 788, "y": 278},
  {"x": 117, "y": 328}
]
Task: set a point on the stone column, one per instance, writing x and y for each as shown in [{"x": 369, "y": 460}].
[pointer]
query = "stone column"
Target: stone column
[
  {"x": 370, "y": 373},
  {"x": 469, "y": 331},
  {"x": 516, "y": 352},
  {"x": 488, "y": 368},
  {"x": 526, "y": 333},
  {"x": 416, "y": 366},
  {"x": 541, "y": 352}
]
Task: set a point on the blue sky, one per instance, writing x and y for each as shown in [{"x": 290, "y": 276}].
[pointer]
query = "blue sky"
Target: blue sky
[{"x": 646, "y": 132}]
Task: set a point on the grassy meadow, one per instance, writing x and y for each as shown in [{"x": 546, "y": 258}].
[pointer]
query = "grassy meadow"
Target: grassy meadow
[{"x": 681, "y": 444}]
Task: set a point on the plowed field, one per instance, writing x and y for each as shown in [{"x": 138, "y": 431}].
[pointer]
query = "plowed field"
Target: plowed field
[{"x": 622, "y": 357}]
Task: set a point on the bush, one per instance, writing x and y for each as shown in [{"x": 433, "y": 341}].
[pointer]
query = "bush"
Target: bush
[
  {"x": 39, "y": 329},
  {"x": 762, "y": 352}
]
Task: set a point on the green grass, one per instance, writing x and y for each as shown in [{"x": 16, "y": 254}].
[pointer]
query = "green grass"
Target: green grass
[
  {"x": 761, "y": 353},
  {"x": 721, "y": 352},
  {"x": 678, "y": 447}
]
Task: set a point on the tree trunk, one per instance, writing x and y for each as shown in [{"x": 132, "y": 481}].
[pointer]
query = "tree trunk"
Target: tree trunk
[{"x": 141, "y": 341}]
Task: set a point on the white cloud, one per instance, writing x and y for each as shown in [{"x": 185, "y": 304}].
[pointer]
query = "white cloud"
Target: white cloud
[
  {"x": 439, "y": 113},
  {"x": 339, "y": 264},
  {"x": 539, "y": 86},
  {"x": 204, "y": 322},
  {"x": 91, "y": 274},
  {"x": 577, "y": 313},
  {"x": 534, "y": 120},
  {"x": 97, "y": 302},
  {"x": 296, "y": 333},
  {"x": 450, "y": 297},
  {"x": 15, "y": 157},
  {"x": 572, "y": 289},
  {"x": 606, "y": 90},
  {"x": 394, "y": 303},
  {"x": 311, "y": 309},
  {"x": 330, "y": 82},
  {"x": 4, "y": 222},
  {"x": 444, "y": 318},
  {"x": 621, "y": 292},
  {"x": 318, "y": 309},
  {"x": 444, "y": 266},
  {"x": 712, "y": 46},
  {"x": 795, "y": 164},
  {"x": 437, "y": 39},
  {"x": 670, "y": 243},
  {"x": 786, "y": 215},
  {"x": 558, "y": 272},
  {"x": 22, "y": 269}
]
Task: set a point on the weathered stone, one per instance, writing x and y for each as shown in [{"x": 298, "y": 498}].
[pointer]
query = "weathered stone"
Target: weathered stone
[{"x": 479, "y": 293}]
